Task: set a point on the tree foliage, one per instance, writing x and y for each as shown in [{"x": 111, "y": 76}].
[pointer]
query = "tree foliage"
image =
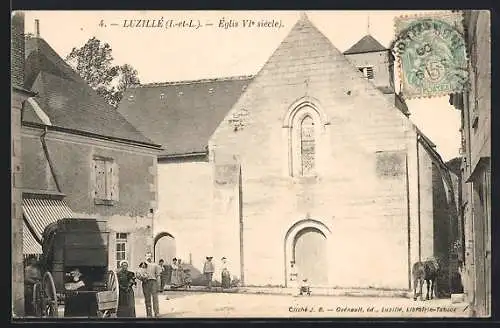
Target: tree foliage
[
  {"x": 128, "y": 76},
  {"x": 94, "y": 62}
]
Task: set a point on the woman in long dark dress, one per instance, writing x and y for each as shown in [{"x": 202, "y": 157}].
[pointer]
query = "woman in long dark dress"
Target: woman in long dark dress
[
  {"x": 126, "y": 301},
  {"x": 77, "y": 304}
]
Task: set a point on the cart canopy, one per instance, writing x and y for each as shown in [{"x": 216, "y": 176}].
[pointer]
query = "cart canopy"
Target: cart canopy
[{"x": 75, "y": 242}]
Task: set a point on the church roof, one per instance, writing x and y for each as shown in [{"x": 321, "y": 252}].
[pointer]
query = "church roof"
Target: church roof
[
  {"x": 67, "y": 101},
  {"x": 367, "y": 44},
  {"x": 181, "y": 116}
]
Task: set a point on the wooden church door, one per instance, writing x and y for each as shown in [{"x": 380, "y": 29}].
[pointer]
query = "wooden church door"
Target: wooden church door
[{"x": 310, "y": 256}]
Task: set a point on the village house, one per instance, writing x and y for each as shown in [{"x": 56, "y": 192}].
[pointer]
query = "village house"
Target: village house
[
  {"x": 313, "y": 160},
  {"x": 81, "y": 158},
  {"x": 18, "y": 95},
  {"x": 475, "y": 106}
]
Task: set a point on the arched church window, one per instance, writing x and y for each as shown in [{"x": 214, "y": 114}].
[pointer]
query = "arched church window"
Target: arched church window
[
  {"x": 307, "y": 145},
  {"x": 305, "y": 123}
]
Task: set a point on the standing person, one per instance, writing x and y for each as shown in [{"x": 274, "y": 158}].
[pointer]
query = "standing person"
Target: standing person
[
  {"x": 174, "y": 281},
  {"x": 150, "y": 285},
  {"x": 76, "y": 304},
  {"x": 180, "y": 272},
  {"x": 294, "y": 277},
  {"x": 163, "y": 275},
  {"x": 208, "y": 270},
  {"x": 187, "y": 278},
  {"x": 32, "y": 275},
  {"x": 305, "y": 287},
  {"x": 168, "y": 274},
  {"x": 126, "y": 302},
  {"x": 225, "y": 275}
]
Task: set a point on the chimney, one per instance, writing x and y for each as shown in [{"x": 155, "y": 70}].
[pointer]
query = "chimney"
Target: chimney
[
  {"x": 37, "y": 28},
  {"x": 17, "y": 49}
]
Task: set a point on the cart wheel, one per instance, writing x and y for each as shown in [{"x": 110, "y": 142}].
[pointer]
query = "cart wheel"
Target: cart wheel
[
  {"x": 112, "y": 285},
  {"x": 50, "y": 308},
  {"x": 37, "y": 299}
]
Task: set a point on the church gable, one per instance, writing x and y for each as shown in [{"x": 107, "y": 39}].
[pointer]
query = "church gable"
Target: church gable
[{"x": 307, "y": 65}]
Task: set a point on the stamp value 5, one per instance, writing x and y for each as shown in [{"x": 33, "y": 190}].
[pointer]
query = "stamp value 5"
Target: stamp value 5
[{"x": 432, "y": 55}]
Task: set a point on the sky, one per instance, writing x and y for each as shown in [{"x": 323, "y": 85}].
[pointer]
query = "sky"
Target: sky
[{"x": 174, "y": 54}]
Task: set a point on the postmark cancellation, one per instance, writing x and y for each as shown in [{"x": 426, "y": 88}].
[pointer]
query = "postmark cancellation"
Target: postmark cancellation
[{"x": 432, "y": 55}]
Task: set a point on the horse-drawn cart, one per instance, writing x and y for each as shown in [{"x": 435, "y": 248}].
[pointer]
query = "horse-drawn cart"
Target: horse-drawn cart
[{"x": 74, "y": 268}]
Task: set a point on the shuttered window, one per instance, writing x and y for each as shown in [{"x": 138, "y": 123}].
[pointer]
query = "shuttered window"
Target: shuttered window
[
  {"x": 106, "y": 179},
  {"x": 367, "y": 72},
  {"x": 100, "y": 179}
]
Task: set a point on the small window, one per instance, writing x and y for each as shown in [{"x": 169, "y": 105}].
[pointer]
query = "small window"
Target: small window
[
  {"x": 162, "y": 95},
  {"x": 106, "y": 176},
  {"x": 367, "y": 72},
  {"x": 307, "y": 145},
  {"x": 121, "y": 248}
]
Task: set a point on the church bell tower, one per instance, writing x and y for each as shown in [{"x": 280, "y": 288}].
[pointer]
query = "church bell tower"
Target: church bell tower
[{"x": 377, "y": 65}]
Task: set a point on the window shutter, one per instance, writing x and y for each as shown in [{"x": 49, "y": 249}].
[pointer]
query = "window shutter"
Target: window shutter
[
  {"x": 127, "y": 248},
  {"x": 100, "y": 179},
  {"x": 93, "y": 179},
  {"x": 115, "y": 185},
  {"x": 109, "y": 179},
  {"x": 369, "y": 73},
  {"x": 112, "y": 249}
]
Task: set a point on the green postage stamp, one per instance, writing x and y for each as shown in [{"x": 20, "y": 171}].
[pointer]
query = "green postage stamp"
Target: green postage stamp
[{"x": 432, "y": 55}]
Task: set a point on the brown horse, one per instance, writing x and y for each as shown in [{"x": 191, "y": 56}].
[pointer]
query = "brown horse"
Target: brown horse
[{"x": 425, "y": 271}]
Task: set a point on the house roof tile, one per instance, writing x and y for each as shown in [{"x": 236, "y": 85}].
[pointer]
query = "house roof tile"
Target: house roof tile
[
  {"x": 181, "y": 116},
  {"x": 68, "y": 100}
]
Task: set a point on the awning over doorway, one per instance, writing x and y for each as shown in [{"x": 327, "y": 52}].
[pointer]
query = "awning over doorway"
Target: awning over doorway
[
  {"x": 30, "y": 244},
  {"x": 39, "y": 212}
]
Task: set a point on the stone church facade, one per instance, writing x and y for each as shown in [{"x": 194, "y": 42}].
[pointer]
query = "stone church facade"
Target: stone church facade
[{"x": 312, "y": 160}]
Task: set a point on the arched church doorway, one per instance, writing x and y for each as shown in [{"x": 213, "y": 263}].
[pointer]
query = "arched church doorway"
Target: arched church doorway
[
  {"x": 164, "y": 246},
  {"x": 306, "y": 244},
  {"x": 309, "y": 254}
]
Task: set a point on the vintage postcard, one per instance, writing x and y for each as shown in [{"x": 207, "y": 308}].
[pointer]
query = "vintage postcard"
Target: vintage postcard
[{"x": 244, "y": 164}]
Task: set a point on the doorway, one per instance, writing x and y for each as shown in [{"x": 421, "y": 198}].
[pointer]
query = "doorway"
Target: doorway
[
  {"x": 306, "y": 243},
  {"x": 164, "y": 246},
  {"x": 309, "y": 254}
]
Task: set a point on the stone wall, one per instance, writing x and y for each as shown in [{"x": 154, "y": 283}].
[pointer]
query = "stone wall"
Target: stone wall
[
  {"x": 17, "y": 99},
  {"x": 185, "y": 208},
  {"x": 379, "y": 61},
  {"x": 72, "y": 158},
  {"x": 365, "y": 210}
]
